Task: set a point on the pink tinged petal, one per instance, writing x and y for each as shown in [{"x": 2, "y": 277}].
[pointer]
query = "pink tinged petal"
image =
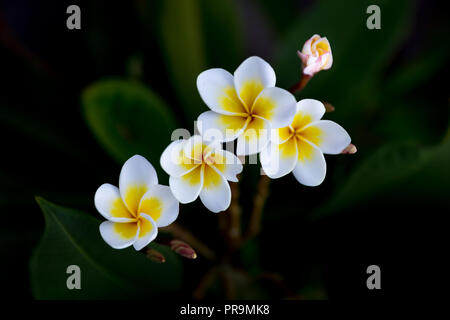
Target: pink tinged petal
[
  {"x": 216, "y": 193},
  {"x": 303, "y": 57},
  {"x": 119, "y": 235},
  {"x": 308, "y": 44},
  {"x": 148, "y": 231},
  {"x": 276, "y": 105},
  {"x": 311, "y": 167},
  {"x": 327, "y": 60},
  {"x": 216, "y": 87},
  {"x": 333, "y": 138},
  {"x": 312, "y": 68},
  {"x": 109, "y": 204}
]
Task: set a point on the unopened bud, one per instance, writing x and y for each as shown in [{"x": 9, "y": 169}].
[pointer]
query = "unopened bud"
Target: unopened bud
[
  {"x": 183, "y": 249},
  {"x": 328, "y": 107},
  {"x": 155, "y": 255},
  {"x": 316, "y": 55},
  {"x": 351, "y": 149}
]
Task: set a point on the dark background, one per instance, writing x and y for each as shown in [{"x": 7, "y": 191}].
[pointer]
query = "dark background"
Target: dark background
[{"x": 384, "y": 205}]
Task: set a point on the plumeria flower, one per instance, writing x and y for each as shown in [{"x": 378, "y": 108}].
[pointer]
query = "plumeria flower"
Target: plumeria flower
[
  {"x": 299, "y": 147},
  {"x": 200, "y": 168},
  {"x": 137, "y": 208},
  {"x": 246, "y": 105},
  {"x": 316, "y": 55}
]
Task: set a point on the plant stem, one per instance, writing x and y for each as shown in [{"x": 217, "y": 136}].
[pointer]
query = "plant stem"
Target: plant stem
[
  {"x": 259, "y": 201},
  {"x": 300, "y": 84},
  {"x": 234, "y": 231},
  {"x": 205, "y": 283}
]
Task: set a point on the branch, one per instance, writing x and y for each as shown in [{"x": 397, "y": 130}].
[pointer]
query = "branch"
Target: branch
[{"x": 259, "y": 201}]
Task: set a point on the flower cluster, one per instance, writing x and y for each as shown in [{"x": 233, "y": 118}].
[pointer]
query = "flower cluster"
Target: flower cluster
[{"x": 246, "y": 106}]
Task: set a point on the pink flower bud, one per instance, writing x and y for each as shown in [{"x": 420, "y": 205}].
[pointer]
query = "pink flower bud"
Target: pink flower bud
[
  {"x": 183, "y": 249},
  {"x": 316, "y": 55}
]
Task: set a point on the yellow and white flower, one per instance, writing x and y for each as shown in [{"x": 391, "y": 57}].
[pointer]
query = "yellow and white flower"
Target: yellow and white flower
[
  {"x": 316, "y": 55},
  {"x": 200, "y": 168},
  {"x": 137, "y": 208},
  {"x": 246, "y": 105},
  {"x": 299, "y": 147}
]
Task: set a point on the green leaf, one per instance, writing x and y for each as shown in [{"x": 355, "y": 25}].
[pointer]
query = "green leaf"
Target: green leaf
[
  {"x": 128, "y": 119},
  {"x": 223, "y": 34},
  {"x": 183, "y": 46},
  {"x": 193, "y": 35},
  {"x": 417, "y": 71},
  {"x": 73, "y": 238},
  {"x": 404, "y": 172}
]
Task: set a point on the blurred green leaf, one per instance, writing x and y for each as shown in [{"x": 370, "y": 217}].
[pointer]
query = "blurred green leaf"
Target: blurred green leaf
[
  {"x": 223, "y": 34},
  {"x": 39, "y": 131},
  {"x": 417, "y": 71},
  {"x": 183, "y": 45},
  {"x": 281, "y": 16},
  {"x": 407, "y": 120},
  {"x": 128, "y": 119},
  {"x": 193, "y": 35},
  {"x": 359, "y": 54},
  {"x": 403, "y": 171},
  {"x": 73, "y": 238}
]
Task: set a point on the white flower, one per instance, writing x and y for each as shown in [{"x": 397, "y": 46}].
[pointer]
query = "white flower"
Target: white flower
[
  {"x": 244, "y": 106},
  {"x": 137, "y": 208},
  {"x": 198, "y": 168},
  {"x": 316, "y": 55},
  {"x": 299, "y": 147}
]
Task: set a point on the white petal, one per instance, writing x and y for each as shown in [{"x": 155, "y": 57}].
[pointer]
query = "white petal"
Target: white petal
[
  {"x": 160, "y": 204},
  {"x": 222, "y": 127},
  {"x": 333, "y": 138},
  {"x": 136, "y": 177},
  {"x": 216, "y": 193},
  {"x": 174, "y": 161},
  {"x": 119, "y": 235},
  {"x": 227, "y": 164},
  {"x": 311, "y": 167},
  {"x": 216, "y": 87},
  {"x": 280, "y": 135},
  {"x": 308, "y": 44},
  {"x": 193, "y": 148},
  {"x": 251, "y": 77},
  {"x": 314, "y": 109},
  {"x": 276, "y": 105},
  {"x": 187, "y": 187},
  {"x": 254, "y": 138},
  {"x": 278, "y": 160},
  {"x": 110, "y": 204},
  {"x": 147, "y": 232}
]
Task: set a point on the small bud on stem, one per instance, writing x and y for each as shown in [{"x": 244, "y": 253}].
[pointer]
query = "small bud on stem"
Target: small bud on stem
[
  {"x": 351, "y": 149},
  {"x": 155, "y": 255},
  {"x": 183, "y": 249},
  {"x": 328, "y": 107}
]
